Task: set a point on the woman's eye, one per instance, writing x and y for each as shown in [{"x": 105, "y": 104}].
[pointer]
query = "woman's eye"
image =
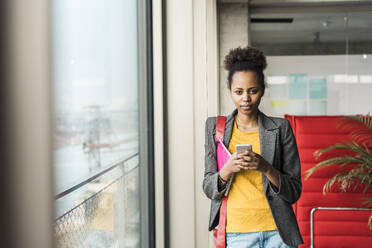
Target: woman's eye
[
  {"x": 253, "y": 91},
  {"x": 238, "y": 92}
]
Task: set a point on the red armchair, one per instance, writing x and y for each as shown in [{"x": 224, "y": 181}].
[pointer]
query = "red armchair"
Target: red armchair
[{"x": 336, "y": 219}]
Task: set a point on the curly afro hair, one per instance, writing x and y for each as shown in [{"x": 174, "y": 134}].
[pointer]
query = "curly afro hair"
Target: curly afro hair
[{"x": 246, "y": 59}]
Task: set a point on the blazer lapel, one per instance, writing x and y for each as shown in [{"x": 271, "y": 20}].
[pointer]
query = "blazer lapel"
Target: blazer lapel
[
  {"x": 229, "y": 127},
  {"x": 268, "y": 132}
]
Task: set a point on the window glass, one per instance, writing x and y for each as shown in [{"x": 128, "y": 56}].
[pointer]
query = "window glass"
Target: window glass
[
  {"x": 95, "y": 68},
  {"x": 319, "y": 59}
]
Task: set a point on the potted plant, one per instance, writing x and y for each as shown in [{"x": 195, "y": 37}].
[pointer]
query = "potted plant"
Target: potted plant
[{"x": 356, "y": 159}]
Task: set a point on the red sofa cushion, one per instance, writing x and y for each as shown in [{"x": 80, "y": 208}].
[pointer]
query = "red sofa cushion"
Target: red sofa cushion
[{"x": 331, "y": 228}]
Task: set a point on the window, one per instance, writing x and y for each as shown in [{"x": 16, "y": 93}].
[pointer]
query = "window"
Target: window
[{"x": 97, "y": 156}]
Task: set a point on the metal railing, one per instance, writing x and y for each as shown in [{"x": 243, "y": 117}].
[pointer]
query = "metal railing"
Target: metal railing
[
  {"x": 94, "y": 222},
  {"x": 95, "y": 176},
  {"x": 313, "y": 210}
]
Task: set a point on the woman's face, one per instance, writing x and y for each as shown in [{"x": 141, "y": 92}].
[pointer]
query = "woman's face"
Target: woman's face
[{"x": 246, "y": 92}]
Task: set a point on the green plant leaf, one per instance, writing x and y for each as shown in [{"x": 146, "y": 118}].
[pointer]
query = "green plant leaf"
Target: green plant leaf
[
  {"x": 344, "y": 160},
  {"x": 351, "y": 146},
  {"x": 367, "y": 201}
]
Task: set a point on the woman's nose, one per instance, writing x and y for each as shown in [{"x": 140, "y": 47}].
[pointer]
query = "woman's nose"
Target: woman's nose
[{"x": 246, "y": 97}]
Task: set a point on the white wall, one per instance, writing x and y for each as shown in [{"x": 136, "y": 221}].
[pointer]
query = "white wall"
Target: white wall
[{"x": 191, "y": 98}]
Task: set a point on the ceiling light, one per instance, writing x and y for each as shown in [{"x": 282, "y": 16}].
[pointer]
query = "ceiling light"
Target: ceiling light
[
  {"x": 277, "y": 79},
  {"x": 364, "y": 56},
  {"x": 365, "y": 79},
  {"x": 326, "y": 24},
  {"x": 344, "y": 78}
]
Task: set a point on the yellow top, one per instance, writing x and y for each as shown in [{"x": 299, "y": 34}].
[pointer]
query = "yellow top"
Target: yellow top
[{"x": 247, "y": 207}]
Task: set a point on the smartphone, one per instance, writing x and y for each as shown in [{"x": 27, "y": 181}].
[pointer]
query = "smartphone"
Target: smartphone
[{"x": 243, "y": 147}]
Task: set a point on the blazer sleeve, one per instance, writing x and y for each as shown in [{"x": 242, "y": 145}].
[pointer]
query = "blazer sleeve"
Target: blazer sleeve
[
  {"x": 210, "y": 181},
  {"x": 290, "y": 186}
]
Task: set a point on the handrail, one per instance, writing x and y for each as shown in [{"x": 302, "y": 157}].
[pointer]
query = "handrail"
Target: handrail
[
  {"x": 104, "y": 171},
  {"x": 328, "y": 208},
  {"x": 96, "y": 193}
]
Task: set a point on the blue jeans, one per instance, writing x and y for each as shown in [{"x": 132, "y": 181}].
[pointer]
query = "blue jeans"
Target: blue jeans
[{"x": 265, "y": 239}]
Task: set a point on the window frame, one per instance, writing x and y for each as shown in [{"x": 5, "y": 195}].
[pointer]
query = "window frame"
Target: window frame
[{"x": 146, "y": 125}]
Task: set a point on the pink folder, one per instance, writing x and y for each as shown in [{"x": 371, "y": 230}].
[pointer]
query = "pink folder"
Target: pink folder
[{"x": 223, "y": 155}]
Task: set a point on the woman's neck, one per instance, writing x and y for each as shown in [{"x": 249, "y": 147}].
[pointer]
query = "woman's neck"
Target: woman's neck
[{"x": 245, "y": 122}]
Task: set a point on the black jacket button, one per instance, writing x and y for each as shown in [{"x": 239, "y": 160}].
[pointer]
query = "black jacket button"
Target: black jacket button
[{"x": 269, "y": 197}]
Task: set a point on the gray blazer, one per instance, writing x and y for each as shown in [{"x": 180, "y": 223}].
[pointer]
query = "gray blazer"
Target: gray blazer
[{"x": 278, "y": 147}]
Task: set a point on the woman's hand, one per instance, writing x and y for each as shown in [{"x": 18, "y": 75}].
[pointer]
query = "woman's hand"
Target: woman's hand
[
  {"x": 254, "y": 161},
  {"x": 234, "y": 164},
  {"x": 246, "y": 160}
]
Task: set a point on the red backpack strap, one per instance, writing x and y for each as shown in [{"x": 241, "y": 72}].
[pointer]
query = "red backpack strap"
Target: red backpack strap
[
  {"x": 220, "y": 233},
  {"x": 220, "y": 127}
]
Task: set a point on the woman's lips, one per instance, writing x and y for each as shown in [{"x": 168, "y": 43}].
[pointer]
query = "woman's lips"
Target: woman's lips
[{"x": 246, "y": 107}]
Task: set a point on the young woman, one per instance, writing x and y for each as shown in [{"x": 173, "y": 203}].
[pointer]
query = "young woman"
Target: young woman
[{"x": 261, "y": 184}]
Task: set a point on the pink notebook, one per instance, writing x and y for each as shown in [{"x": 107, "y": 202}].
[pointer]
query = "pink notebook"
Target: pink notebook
[{"x": 223, "y": 154}]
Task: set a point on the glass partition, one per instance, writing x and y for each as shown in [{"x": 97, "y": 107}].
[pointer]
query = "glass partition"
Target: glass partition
[{"x": 319, "y": 59}]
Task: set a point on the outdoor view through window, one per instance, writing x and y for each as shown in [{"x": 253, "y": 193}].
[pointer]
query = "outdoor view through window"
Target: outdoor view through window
[{"x": 96, "y": 123}]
